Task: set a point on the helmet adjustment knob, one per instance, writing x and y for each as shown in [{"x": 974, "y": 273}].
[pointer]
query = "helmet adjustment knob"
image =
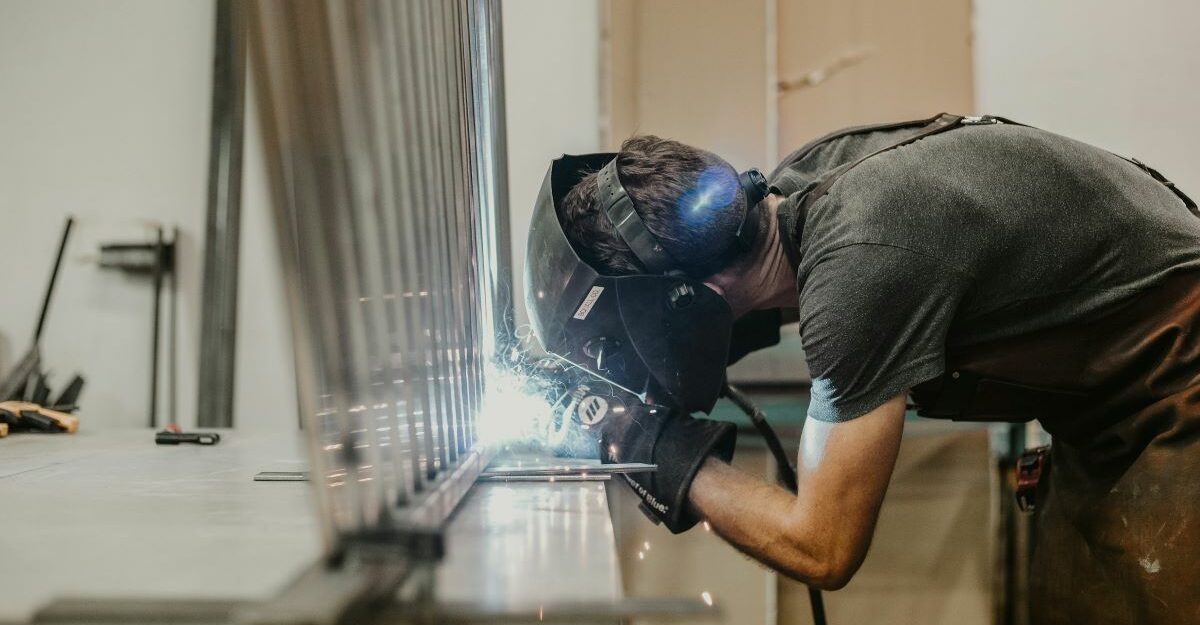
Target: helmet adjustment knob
[
  {"x": 600, "y": 349},
  {"x": 681, "y": 295}
]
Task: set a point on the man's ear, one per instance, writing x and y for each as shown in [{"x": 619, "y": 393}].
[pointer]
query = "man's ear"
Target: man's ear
[
  {"x": 710, "y": 283},
  {"x": 724, "y": 281}
]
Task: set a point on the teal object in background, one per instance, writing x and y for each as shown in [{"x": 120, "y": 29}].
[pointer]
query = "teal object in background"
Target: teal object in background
[{"x": 781, "y": 407}]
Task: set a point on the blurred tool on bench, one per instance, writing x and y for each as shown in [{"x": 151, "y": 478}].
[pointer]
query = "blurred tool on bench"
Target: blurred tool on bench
[
  {"x": 24, "y": 391},
  {"x": 23, "y": 416}
]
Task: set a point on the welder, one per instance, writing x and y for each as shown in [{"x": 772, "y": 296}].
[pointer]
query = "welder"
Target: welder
[{"x": 987, "y": 270}]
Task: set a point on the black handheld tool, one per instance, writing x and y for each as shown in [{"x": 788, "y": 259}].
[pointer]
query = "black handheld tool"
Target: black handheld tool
[{"x": 167, "y": 437}]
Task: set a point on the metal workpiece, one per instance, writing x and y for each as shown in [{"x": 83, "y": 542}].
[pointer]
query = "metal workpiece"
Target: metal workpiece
[
  {"x": 509, "y": 543},
  {"x": 387, "y": 207},
  {"x": 218, "y": 317},
  {"x": 565, "y": 470},
  {"x": 512, "y": 551}
]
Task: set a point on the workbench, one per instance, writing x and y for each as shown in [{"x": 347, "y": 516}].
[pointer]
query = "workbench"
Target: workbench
[{"x": 112, "y": 515}]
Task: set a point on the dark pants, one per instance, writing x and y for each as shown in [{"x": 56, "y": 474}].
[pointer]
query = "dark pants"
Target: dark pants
[
  {"x": 1118, "y": 522},
  {"x": 1121, "y": 546}
]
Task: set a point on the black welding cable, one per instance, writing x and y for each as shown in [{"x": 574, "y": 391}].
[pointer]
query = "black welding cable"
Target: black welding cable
[{"x": 784, "y": 467}]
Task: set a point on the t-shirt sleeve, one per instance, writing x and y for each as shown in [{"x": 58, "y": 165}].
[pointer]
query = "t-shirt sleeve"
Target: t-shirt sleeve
[{"x": 874, "y": 320}]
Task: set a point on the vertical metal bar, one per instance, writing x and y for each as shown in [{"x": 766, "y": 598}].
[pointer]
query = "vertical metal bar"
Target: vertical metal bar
[
  {"x": 492, "y": 183},
  {"x": 376, "y": 50},
  {"x": 451, "y": 223},
  {"x": 218, "y": 320},
  {"x": 156, "y": 327},
  {"x": 495, "y": 150},
  {"x": 413, "y": 385},
  {"x": 439, "y": 295},
  {"x": 469, "y": 373},
  {"x": 285, "y": 141},
  {"x": 426, "y": 184},
  {"x": 173, "y": 329},
  {"x": 436, "y": 180}
]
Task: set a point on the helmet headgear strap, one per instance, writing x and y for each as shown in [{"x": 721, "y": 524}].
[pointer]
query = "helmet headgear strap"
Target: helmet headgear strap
[{"x": 651, "y": 253}]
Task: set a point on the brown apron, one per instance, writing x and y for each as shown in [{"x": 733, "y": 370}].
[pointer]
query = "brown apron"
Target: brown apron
[{"x": 1118, "y": 519}]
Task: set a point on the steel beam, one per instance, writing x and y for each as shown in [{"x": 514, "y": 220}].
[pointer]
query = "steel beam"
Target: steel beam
[{"x": 218, "y": 313}]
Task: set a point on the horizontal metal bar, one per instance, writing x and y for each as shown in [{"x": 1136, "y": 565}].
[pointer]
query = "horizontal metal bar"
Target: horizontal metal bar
[
  {"x": 569, "y": 469},
  {"x": 607, "y": 612},
  {"x": 132, "y": 610},
  {"x": 327, "y": 595},
  {"x": 432, "y": 508},
  {"x": 281, "y": 476},
  {"x": 322, "y": 596},
  {"x": 583, "y": 477}
]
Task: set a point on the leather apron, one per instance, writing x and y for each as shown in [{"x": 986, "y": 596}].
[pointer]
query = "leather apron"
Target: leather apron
[{"x": 1117, "y": 536}]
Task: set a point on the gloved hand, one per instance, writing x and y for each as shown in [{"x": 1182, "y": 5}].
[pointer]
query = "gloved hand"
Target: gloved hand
[{"x": 631, "y": 431}]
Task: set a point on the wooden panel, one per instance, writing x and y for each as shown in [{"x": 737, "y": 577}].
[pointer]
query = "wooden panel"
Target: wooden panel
[
  {"x": 848, "y": 62},
  {"x": 691, "y": 70}
]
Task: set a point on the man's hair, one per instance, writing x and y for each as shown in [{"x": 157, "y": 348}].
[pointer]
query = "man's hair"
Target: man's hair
[{"x": 682, "y": 195}]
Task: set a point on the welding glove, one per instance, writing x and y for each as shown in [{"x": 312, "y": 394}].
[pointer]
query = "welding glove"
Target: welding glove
[{"x": 630, "y": 431}]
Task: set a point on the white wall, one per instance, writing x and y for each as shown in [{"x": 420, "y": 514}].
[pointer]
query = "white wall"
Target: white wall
[
  {"x": 1121, "y": 75},
  {"x": 104, "y": 114},
  {"x": 552, "y": 82}
]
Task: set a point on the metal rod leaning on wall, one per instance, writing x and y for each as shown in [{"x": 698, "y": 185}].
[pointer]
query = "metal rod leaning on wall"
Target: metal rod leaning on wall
[{"x": 218, "y": 317}]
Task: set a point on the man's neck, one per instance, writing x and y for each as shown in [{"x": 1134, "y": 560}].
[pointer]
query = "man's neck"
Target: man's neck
[
  {"x": 782, "y": 291},
  {"x": 765, "y": 281}
]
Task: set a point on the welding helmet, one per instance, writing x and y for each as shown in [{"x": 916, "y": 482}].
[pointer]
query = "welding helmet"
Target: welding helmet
[{"x": 663, "y": 334}]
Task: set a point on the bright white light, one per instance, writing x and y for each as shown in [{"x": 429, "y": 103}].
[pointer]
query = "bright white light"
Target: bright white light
[
  {"x": 508, "y": 412},
  {"x": 707, "y": 598}
]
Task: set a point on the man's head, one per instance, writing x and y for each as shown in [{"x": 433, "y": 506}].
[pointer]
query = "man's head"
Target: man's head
[
  {"x": 628, "y": 317},
  {"x": 688, "y": 198}
]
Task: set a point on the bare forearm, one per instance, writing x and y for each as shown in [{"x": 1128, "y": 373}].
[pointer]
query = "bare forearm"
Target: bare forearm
[
  {"x": 763, "y": 521},
  {"x": 821, "y": 535}
]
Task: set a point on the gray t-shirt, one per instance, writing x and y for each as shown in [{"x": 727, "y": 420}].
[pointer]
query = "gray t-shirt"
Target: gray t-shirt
[{"x": 974, "y": 234}]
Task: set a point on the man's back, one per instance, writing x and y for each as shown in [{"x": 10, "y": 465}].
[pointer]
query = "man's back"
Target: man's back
[{"x": 978, "y": 233}]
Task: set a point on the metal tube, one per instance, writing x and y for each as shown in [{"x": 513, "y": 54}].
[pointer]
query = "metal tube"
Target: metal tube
[
  {"x": 218, "y": 319},
  {"x": 62, "y": 248},
  {"x": 156, "y": 327}
]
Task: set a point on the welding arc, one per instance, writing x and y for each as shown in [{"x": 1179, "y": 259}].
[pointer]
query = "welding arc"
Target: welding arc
[{"x": 785, "y": 469}]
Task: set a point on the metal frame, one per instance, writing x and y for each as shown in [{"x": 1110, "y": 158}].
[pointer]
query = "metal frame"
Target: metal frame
[{"x": 384, "y": 137}]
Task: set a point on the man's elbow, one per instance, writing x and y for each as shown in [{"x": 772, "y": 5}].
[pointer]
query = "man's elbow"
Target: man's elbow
[
  {"x": 835, "y": 575},
  {"x": 829, "y": 571}
]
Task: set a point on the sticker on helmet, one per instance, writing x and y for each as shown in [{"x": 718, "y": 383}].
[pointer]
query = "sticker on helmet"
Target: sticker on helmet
[
  {"x": 592, "y": 409},
  {"x": 588, "y": 302}
]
